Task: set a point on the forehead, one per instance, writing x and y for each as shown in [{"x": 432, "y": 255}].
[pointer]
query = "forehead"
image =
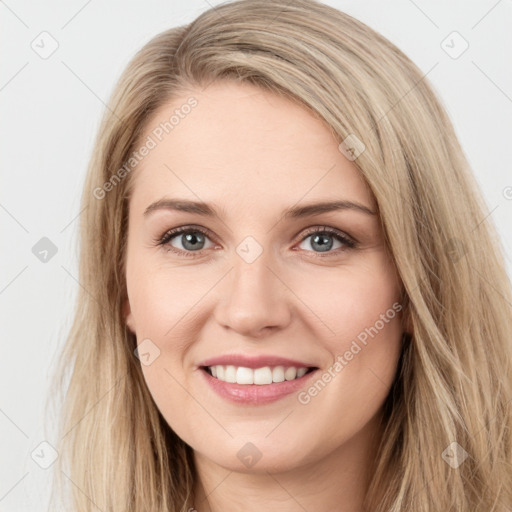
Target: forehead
[{"x": 238, "y": 142}]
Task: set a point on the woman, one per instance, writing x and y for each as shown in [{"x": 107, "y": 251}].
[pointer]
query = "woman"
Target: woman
[{"x": 289, "y": 299}]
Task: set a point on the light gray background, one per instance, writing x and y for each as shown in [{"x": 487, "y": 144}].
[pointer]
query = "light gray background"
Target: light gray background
[{"x": 50, "y": 113}]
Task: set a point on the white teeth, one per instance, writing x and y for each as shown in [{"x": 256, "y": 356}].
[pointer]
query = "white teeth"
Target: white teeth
[
  {"x": 259, "y": 376},
  {"x": 244, "y": 375},
  {"x": 278, "y": 374},
  {"x": 230, "y": 374},
  {"x": 263, "y": 375},
  {"x": 290, "y": 373}
]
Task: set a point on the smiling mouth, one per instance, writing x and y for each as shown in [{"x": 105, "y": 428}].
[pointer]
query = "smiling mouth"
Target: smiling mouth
[{"x": 260, "y": 376}]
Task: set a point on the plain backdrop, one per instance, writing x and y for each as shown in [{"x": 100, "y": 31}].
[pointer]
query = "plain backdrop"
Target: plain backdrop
[{"x": 50, "y": 111}]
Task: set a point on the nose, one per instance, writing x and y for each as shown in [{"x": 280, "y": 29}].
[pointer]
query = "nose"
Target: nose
[{"x": 254, "y": 299}]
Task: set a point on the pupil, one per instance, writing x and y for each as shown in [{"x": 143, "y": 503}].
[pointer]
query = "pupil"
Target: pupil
[
  {"x": 324, "y": 241},
  {"x": 192, "y": 239}
]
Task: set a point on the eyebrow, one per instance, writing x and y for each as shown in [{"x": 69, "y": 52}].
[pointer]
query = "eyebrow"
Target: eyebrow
[{"x": 295, "y": 212}]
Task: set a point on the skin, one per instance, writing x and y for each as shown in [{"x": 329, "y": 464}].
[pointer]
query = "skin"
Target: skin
[{"x": 254, "y": 154}]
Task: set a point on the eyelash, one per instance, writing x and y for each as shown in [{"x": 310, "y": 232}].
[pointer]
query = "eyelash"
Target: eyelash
[{"x": 170, "y": 234}]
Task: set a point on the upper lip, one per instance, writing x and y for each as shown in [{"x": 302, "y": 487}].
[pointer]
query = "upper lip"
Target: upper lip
[{"x": 254, "y": 361}]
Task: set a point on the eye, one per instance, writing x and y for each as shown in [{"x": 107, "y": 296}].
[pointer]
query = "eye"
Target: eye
[
  {"x": 192, "y": 240},
  {"x": 322, "y": 240}
]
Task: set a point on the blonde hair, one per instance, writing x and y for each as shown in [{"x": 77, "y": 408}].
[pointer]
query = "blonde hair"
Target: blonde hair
[{"x": 454, "y": 381}]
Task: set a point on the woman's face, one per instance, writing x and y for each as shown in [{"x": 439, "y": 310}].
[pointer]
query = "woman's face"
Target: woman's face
[{"x": 261, "y": 287}]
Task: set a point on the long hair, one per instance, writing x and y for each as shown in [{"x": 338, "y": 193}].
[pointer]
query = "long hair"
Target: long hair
[{"x": 447, "y": 442}]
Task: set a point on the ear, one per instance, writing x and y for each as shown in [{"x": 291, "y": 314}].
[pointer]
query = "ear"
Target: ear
[{"x": 128, "y": 316}]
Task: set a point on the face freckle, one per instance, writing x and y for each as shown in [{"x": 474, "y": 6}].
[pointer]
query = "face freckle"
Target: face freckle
[{"x": 265, "y": 291}]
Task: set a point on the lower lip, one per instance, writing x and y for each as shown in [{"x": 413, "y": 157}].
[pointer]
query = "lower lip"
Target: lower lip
[{"x": 255, "y": 394}]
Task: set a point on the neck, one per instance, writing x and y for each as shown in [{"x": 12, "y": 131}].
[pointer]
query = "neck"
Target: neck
[{"x": 336, "y": 481}]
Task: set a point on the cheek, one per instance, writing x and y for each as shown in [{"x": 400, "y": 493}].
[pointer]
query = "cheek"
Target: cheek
[
  {"x": 362, "y": 310},
  {"x": 165, "y": 302},
  {"x": 350, "y": 300},
  {"x": 163, "y": 298},
  {"x": 359, "y": 325}
]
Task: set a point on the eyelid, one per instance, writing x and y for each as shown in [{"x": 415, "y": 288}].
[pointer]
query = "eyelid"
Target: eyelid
[
  {"x": 330, "y": 230},
  {"x": 183, "y": 229}
]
